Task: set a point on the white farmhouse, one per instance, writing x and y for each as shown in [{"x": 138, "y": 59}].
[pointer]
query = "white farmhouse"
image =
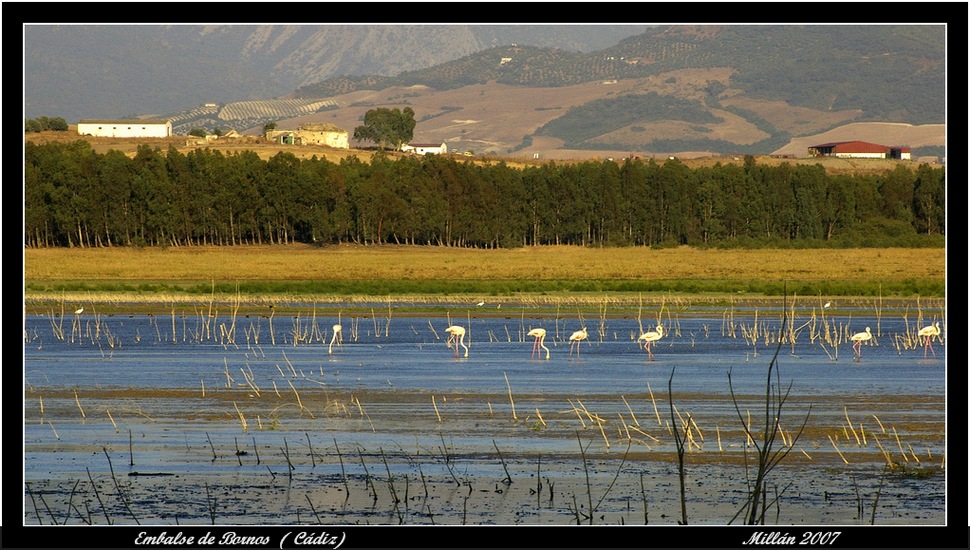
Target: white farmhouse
[
  {"x": 425, "y": 148},
  {"x": 125, "y": 128}
]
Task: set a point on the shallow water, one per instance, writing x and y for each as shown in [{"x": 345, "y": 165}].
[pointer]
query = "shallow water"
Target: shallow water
[{"x": 194, "y": 394}]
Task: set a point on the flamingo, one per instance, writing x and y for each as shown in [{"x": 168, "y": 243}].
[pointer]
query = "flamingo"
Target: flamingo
[
  {"x": 577, "y": 338},
  {"x": 651, "y": 337},
  {"x": 928, "y": 332},
  {"x": 458, "y": 335},
  {"x": 540, "y": 335},
  {"x": 857, "y": 340},
  {"x": 337, "y": 336}
]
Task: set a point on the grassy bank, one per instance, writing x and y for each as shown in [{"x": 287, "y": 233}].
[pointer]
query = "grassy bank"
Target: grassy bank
[{"x": 347, "y": 273}]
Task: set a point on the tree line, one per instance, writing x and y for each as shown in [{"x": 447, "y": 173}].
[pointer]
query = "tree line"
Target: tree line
[{"x": 74, "y": 196}]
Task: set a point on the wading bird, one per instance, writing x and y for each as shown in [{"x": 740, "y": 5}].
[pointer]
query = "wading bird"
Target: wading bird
[
  {"x": 540, "y": 335},
  {"x": 857, "y": 340},
  {"x": 79, "y": 311},
  {"x": 928, "y": 333},
  {"x": 651, "y": 337},
  {"x": 337, "y": 336},
  {"x": 577, "y": 339},
  {"x": 458, "y": 336}
]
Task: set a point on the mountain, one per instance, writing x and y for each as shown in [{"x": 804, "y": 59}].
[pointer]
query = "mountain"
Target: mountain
[
  {"x": 735, "y": 89},
  {"x": 501, "y": 89},
  {"x": 114, "y": 71}
]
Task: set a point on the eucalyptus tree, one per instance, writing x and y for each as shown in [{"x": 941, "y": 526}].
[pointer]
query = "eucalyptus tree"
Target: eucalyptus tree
[
  {"x": 837, "y": 206},
  {"x": 929, "y": 200},
  {"x": 568, "y": 219},
  {"x": 607, "y": 207},
  {"x": 113, "y": 196},
  {"x": 509, "y": 222},
  {"x": 710, "y": 204},
  {"x": 39, "y": 228},
  {"x": 75, "y": 179},
  {"x": 677, "y": 196},
  {"x": 637, "y": 194},
  {"x": 896, "y": 190},
  {"x": 539, "y": 207},
  {"x": 152, "y": 199},
  {"x": 322, "y": 190},
  {"x": 808, "y": 187},
  {"x": 354, "y": 172},
  {"x": 732, "y": 210},
  {"x": 278, "y": 191}
]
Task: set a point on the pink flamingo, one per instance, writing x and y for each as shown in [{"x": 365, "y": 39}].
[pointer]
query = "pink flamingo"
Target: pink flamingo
[
  {"x": 577, "y": 339},
  {"x": 857, "y": 340},
  {"x": 540, "y": 335},
  {"x": 651, "y": 337},
  {"x": 458, "y": 336},
  {"x": 928, "y": 333}
]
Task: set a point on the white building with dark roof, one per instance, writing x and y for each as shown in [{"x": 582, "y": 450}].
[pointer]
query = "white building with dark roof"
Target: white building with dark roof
[{"x": 859, "y": 149}]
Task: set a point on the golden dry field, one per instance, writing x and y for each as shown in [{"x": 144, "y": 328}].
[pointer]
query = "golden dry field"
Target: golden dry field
[
  {"x": 102, "y": 267},
  {"x": 351, "y": 262}
]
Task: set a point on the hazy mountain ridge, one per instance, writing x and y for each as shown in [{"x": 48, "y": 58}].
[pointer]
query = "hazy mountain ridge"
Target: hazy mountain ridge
[
  {"x": 888, "y": 72},
  {"x": 748, "y": 89},
  {"x": 115, "y": 71}
]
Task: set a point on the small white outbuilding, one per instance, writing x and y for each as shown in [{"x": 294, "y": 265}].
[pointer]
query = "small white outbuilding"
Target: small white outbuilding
[{"x": 425, "y": 148}]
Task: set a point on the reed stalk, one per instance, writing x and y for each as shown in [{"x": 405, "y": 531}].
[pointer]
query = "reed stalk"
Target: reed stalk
[
  {"x": 511, "y": 401},
  {"x": 655, "y": 409},
  {"x": 78, "y": 401},
  {"x": 836, "y": 447},
  {"x": 629, "y": 408},
  {"x": 97, "y": 495},
  {"x": 900, "y": 443},
  {"x": 121, "y": 493},
  {"x": 508, "y": 477},
  {"x": 112, "y": 420},
  {"x": 343, "y": 472}
]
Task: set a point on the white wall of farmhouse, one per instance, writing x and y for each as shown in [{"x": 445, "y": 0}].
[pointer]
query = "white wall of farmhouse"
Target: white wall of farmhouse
[
  {"x": 125, "y": 128},
  {"x": 861, "y": 155}
]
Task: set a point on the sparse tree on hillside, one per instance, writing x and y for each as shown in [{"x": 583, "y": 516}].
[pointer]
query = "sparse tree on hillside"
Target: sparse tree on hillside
[{"x": 387, "y": 127}]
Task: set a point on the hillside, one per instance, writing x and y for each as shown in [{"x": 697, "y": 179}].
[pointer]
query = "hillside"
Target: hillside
[
  {"x": 496, "y": 119},
  {"x": 675, "y": 90}
]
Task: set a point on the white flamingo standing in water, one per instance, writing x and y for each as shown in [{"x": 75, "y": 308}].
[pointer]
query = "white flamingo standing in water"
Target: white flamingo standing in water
[
  {"x": 540, "y": 335},
  {"x": 337, "y": 337},
  {"x": 651, "y": 337},
  {"x": 927, "y": 333},
  {"x": 577, "y": 339},
  {"x": 857, "y": 340},
  {"x": 458, "y": 336}
]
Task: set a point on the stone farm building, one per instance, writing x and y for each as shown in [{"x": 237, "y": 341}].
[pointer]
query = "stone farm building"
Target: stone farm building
[
  {"x": 125, "y": 128},
  {"x": 859, "y": 150},
  {"x": 425, "y": 148},
  {"x": 311, "y": 134}
]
